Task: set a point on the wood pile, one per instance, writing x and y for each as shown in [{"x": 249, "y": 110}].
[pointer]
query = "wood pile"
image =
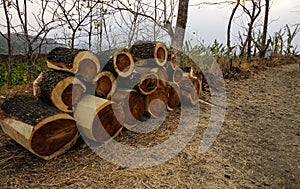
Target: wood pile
[{"x": 96, "y": 95}]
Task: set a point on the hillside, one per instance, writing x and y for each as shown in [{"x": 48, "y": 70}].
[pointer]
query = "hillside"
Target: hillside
[{"x": 19, "y": 44}]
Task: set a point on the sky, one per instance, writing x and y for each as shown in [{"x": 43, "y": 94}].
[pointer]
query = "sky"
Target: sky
[{"x": 210, "y": 22}]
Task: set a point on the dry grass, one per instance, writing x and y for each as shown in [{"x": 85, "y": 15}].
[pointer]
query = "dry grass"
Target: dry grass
[{"x": 258, "y": 147}]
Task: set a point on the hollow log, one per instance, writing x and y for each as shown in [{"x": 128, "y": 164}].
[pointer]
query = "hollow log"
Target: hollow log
[
  {"x": 105, "y": 85},
  {"x": 133, "y": 106},
  {"x": 144, "y": 83},
  {"x": 188, "y": 91},
  {"x": 156, "y": 103},
  {"x": 81, "y": 62},
  {"x": 59, "y": 88},
  {"x": 42, "y": 129},
  {"x": 173, "y": 94},
  {"x": 162, "y": 75},
  {"x": 119, "y": 62},
  {"x": 98, "y": 119},
  {"x": 149, "y": 54}
]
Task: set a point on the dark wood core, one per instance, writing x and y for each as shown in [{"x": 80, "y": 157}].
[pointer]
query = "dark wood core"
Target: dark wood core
[
  {"x": 106, "y": 124},
  {"x": 161, "y": 54},
  {"x": 52, "y": 136},
  {"x": 104, "y": 86},
  {"x": 71, "y": 95},
  {"x": 178, "y": 74},
  {"x": 123, "y": 62},
  {"x": 87, "y": 69},
  {"x": 173, "y": 96},
  {"x": 136, "y": 106},
  {"x": 148, "y": 85}
]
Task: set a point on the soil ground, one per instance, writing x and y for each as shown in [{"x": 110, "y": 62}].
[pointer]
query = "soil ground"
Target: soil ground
[{"x": 258, "y": 147}]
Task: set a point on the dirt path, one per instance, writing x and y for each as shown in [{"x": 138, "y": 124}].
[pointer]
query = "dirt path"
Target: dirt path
[{"x": 258, "y": 147}]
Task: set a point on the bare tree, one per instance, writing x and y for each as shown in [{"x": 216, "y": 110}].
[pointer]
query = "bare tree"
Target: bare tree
[
  {"x": 253, "y": 15},
  {"x": 34, "y": 34},
  {"x": 181, "y": 22},
  {"x": 9, "y": 63},
  {"x": 229, "y": 49},
  {"x": 264, "y": 44},
  {"x": 74, "y": 14}
]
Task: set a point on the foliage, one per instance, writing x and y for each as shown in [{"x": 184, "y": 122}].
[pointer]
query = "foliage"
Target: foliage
[{"x": 20, "y": 73}]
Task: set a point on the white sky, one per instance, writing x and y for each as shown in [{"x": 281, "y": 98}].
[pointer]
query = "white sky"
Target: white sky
[{"x": 210, "y": 22}]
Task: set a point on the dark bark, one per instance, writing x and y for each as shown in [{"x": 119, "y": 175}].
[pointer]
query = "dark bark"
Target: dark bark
[
  {"x": 264, "y": 46},
  {"x": 52, "y": 133},
  {"x": 229, "y": 49},
  {"x": 119, "y": 62},
  {"x": 63, "y": 55},
  {"x": 155, "y": 54},
  {"x": 49, "y": 81},
  {"x": 28, "y": 109}
]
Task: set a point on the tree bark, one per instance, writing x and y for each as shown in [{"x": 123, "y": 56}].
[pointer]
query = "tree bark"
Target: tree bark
[
  {"x": 81, "y": 62},
  {"x": 229, "y": 49},
  {"x": 60, "y": 89},
  {"x": 149, "y": 54},
  {"x": 264, "y": 46},
  {"x": 40, "y": 128},
  {"x": 182, "y": 16},
  {"x": 120, "y": 62}
]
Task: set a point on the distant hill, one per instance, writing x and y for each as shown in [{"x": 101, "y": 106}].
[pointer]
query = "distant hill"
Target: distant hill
[{"x": 19, "y": 44}]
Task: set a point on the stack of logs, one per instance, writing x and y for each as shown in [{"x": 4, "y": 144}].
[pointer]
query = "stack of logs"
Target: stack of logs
[{"x": 96, "y": 94}]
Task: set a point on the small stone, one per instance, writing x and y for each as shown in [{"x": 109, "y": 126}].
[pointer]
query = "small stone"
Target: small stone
[{"x": 227, "y": 176}]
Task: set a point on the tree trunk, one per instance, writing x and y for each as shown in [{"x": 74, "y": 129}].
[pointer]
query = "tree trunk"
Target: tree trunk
[
  {"x": 83, "y": 63},
  {"x": 144, "y": 83},
  {"x": 264, "y": 46},
  {"x": 40, "y": 128},
  {"x": 173, "y": 94},
  {"x": 120, "y": 62},
  {"x": 98, "y": 119},
  {"x": 229, "y": 49},
  {"x": 156, "y": 102},
  {"x": 182, "y": 16},
  {"x": 60, "y": 89},
  {"x": 133, "y": 106},
  {"x": 149, "y": 54},
  {"x": 105, "y": 85}
]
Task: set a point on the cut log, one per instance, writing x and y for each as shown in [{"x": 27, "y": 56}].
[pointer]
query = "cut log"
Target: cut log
[
  {"x": 105, "y": 84},
  {"x": 156, "y": 103},
  {"x": 173, "y": 94},
  {"x": 172, "y": 59},
  {"x": 59, "y": 88},
  {"x": 133, "y": 106},
  {"x": 144, "y": 83},
  {"x": 149, "y": 54},
  {"x": 188, "y": 91},
  {"x": 98, "y": 119},
  {"x": 81, "y": 62},
  {"x": 162, "y": 75},
  {"x": 175, "y": 74},
  {"x": 119, "y": 62},
  {"x": 197, "y": 82},
  {"x": 40, "y": 128}
]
